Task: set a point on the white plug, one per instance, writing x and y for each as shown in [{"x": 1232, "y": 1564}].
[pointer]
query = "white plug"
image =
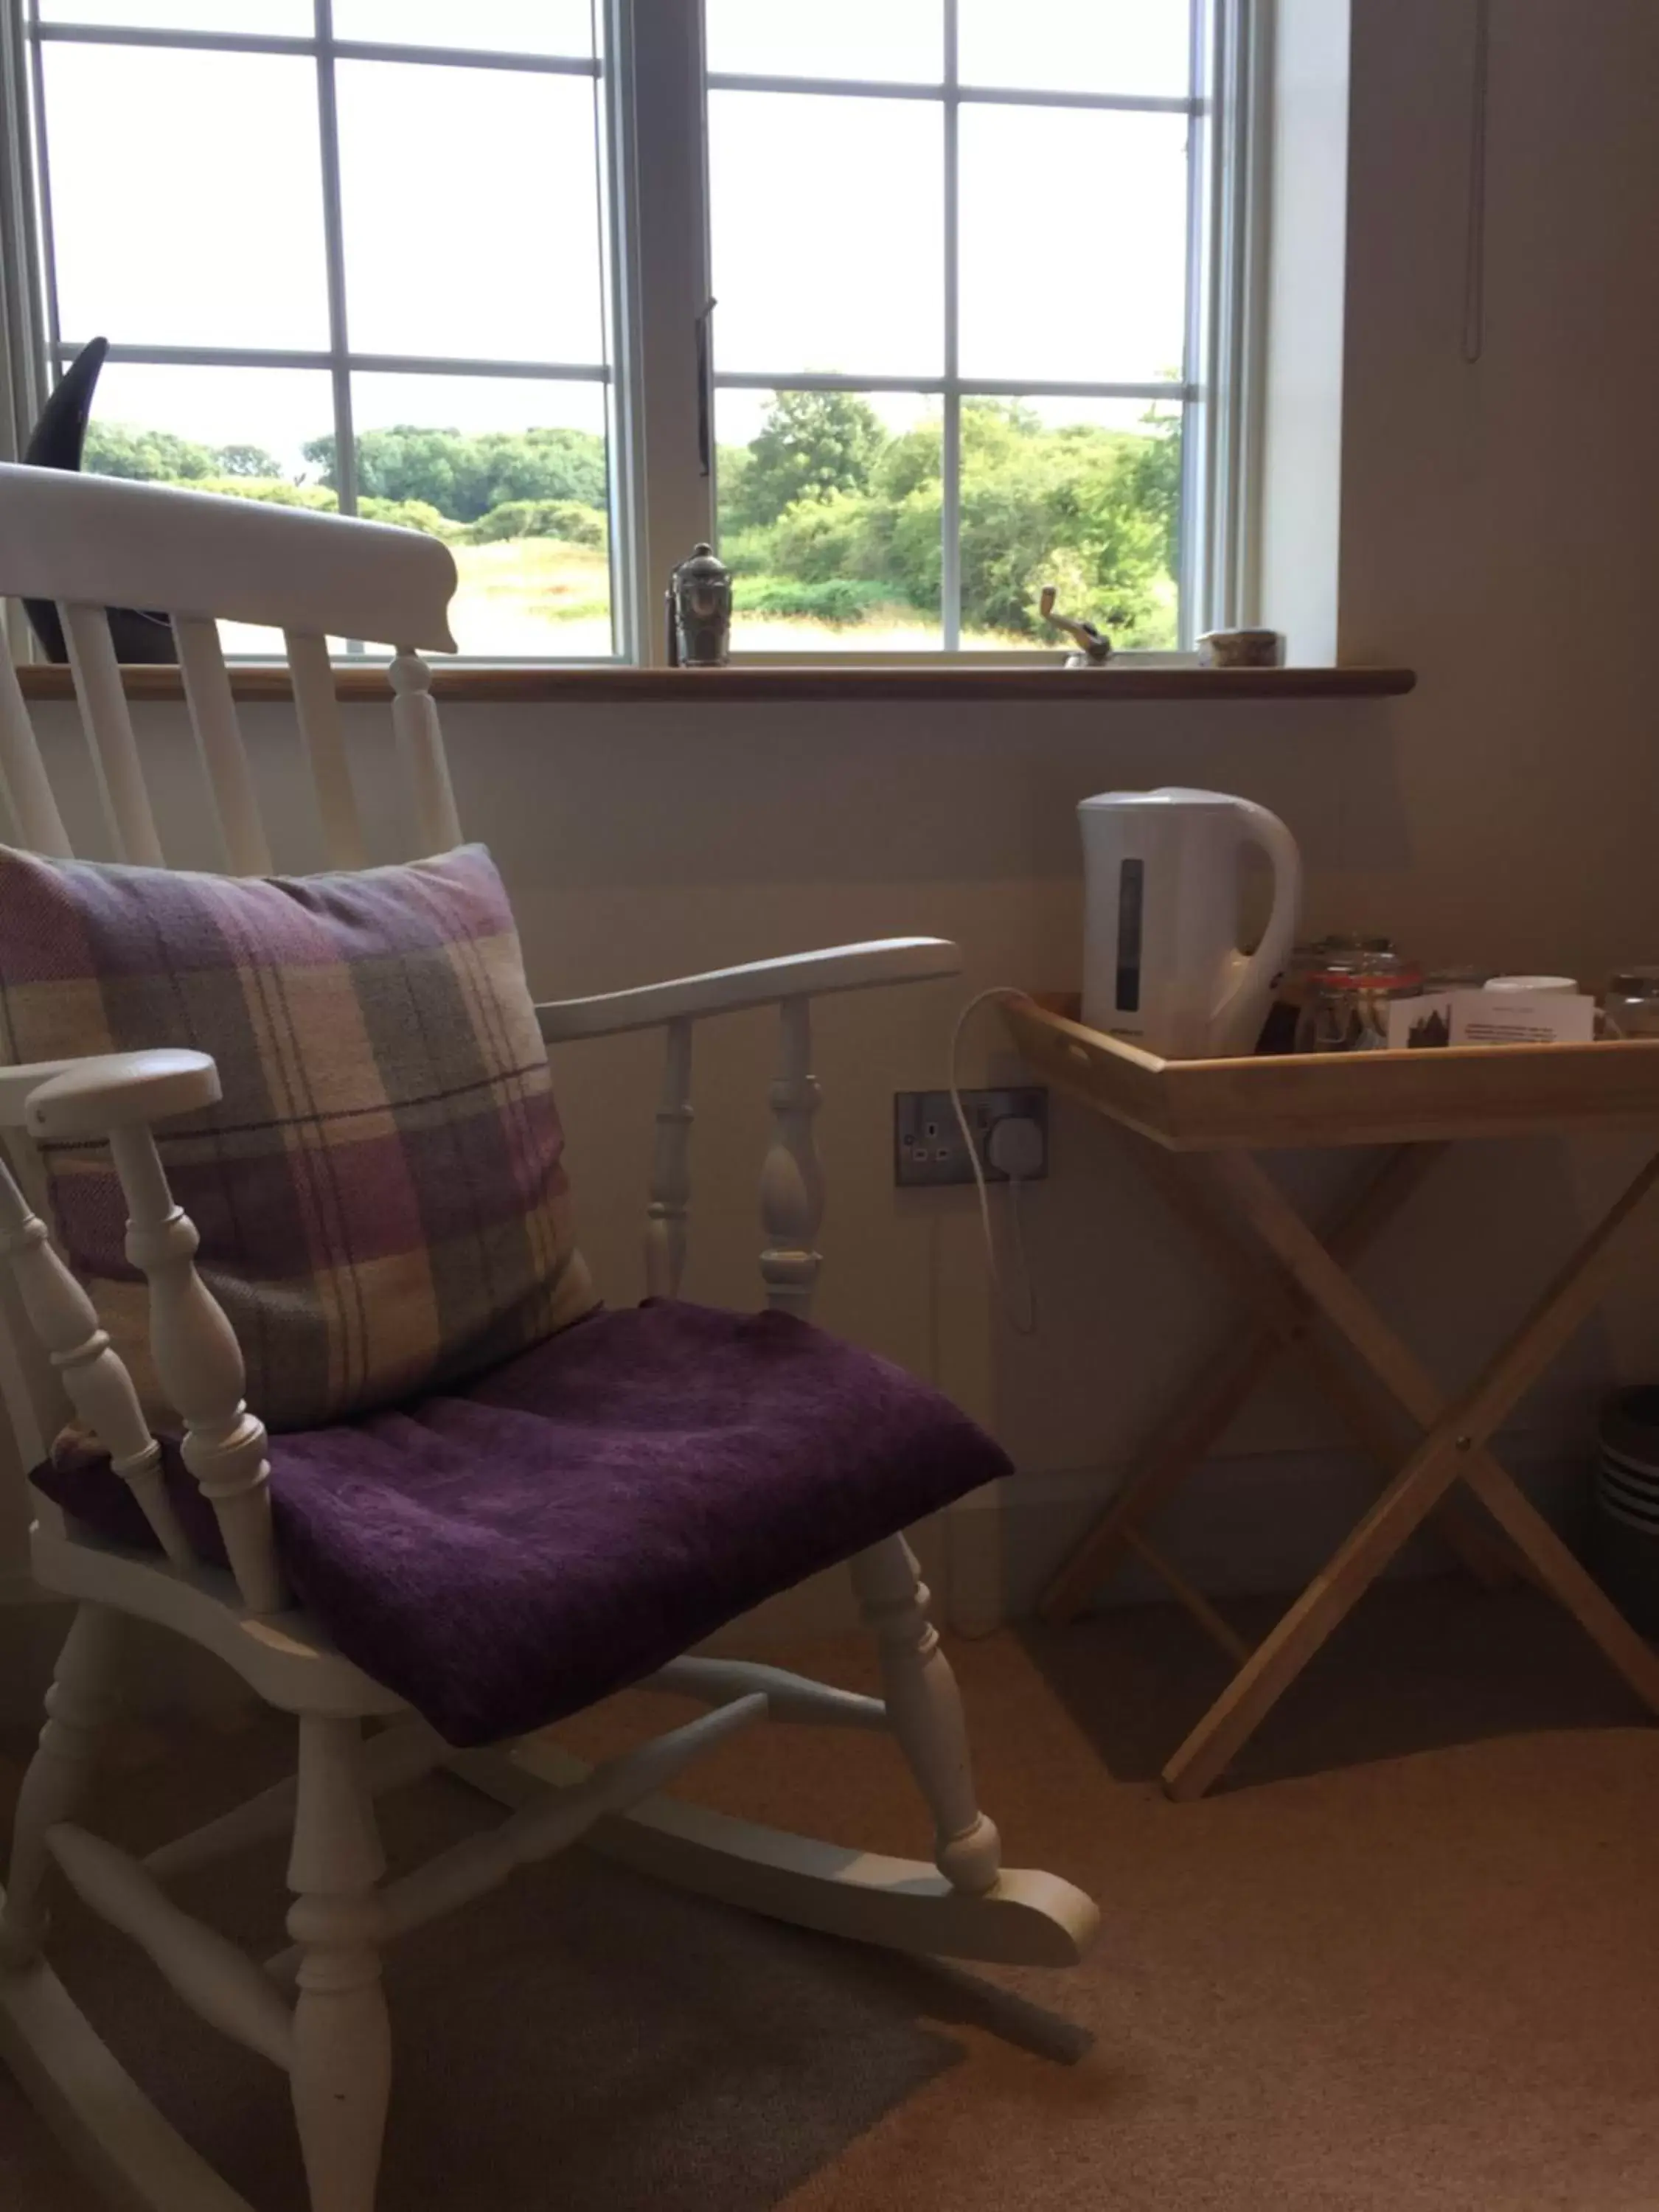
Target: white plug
[
  {"x": 1013, "y": 1147},
  {"x": 1013, "y": 1144}
]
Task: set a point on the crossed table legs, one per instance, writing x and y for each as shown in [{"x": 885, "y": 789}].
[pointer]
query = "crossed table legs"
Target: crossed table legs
[{"x": 1304, "y": 1278}]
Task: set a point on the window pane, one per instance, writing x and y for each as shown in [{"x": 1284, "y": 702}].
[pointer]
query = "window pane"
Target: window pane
[
  {"x": 187, "y": 198},
  {"x": 510, "y": 26},
  {"x": 471, "y": 208},
  {"x": 511, "y": 470},
  {"x": 242, "y": 430},
  {"x": 289, "y": 19},
  {"x": 828, "y": 230},
  {"x": 1123, "y": 319},
  {"x": 891, "y": 40},
  {"x": 232, "y": 427},
  {"x": 1081, "y": 493},
  {"x": 830, "y": 519},
  {"x": 1082, "y": 46}
]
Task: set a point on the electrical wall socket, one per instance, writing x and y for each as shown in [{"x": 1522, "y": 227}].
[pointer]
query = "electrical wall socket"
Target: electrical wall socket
[{"x": 927, "y": 1146}]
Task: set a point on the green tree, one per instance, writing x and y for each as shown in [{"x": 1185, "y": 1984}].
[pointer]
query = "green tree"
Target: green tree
[
  {"x": 246, "y": 461},
  {"x": 464, "y": 474},
  {"x": 1153, "y": 468},
  {"x": 565, "y": 519},
  {"x": 122, "y": 449},
  {"x": 812, "y": 446},
  {"x": 1090, "y": 509},
  {"x": 275, "y": 491}
]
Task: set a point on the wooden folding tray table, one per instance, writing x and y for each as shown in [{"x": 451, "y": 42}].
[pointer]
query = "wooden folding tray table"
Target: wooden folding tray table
[{"x": 1415, "y": 1104}]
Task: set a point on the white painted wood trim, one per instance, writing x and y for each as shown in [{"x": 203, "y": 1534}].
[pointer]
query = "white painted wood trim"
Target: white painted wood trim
[
  {"x": 552, "y": 1820},
  {"x": 108, "y": 727},
  {"x": 105, "y": 2123},
  {"x": 81, "y": 1704},
  {"x": 220, "y": 1983},
  {"x": 791, "y": 1178},
  {"x": 790, "y": 1697},
  {"x": 28, "y": 790},
  {"x": 68, "y": 1099},
  {"x": 670, "y": 1170},
  {"x": 65, "y": 1323},
  {"x": 198, "y": 1364},
  {"x": 398, "y": 1756},
  {"x": 283, "y": 1658},
  {"x": 415, "y": 718},
  {"x": 219, "y": 739},
  {"x": 107, "y": 542},
  {"x": 317, "y": 712},
  {"x": 924, "y": 1708},
  {"x": 341, "y": 2075},
  {"x": 757, "y": 983},
  {"x": 1029, "y": 1920}
]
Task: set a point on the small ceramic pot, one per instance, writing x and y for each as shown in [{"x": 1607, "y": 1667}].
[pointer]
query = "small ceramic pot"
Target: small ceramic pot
[{"x": 1240, "y": 648}]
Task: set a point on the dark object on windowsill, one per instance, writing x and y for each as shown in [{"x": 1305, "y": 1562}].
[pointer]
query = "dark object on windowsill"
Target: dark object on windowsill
[
  {"x": 699, "y": 605},
  {"x": 60, "y": 437},
  {"x": 1240, "y": 648},
  {"x": 1094, "y": 647}
]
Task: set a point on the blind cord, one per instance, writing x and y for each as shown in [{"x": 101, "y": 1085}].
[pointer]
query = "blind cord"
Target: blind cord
[{"x": 1021, "y": 1315}]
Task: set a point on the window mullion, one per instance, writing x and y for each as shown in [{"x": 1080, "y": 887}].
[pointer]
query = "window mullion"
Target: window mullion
[
  {"x": 609, "y": 36},
  {"x": 328, "y": 133},
  {"x": 663, "y": 256},
  {"x": 1250, "y": 164},
  {"x": 950, "y": 426},
  {"x": 43, "y": 177},
  {"x": 24, "y": 362},
  {"x": 1221, "y": 456}
]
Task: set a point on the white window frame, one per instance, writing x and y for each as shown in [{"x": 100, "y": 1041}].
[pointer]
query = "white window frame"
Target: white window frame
[
  {"x": 658, "y": 379},
  {"x": 1229, "y": 103}
]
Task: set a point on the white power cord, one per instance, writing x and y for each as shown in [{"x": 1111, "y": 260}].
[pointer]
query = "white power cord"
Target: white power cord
[{"x": 1015, "y": 1148}]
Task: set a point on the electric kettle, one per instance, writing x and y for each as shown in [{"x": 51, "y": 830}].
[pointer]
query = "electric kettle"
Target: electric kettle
[{"x": 1162, "y": 967}]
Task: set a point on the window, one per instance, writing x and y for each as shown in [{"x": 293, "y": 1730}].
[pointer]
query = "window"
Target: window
[
  {"x": 348, "y": 254},
  {"x": 909, "y": 310}
]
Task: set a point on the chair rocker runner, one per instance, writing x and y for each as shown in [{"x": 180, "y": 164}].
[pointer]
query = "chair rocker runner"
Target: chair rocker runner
[{"x": 209, "y": 1550}]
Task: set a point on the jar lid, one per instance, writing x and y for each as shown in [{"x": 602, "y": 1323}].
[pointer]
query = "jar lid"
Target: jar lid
[
  {"x": 1636, "y": 982},
  {"x": 1374, "y": 971},
  {"x": 1339, "y": 941},
  {"x": 701, "y": 566}
]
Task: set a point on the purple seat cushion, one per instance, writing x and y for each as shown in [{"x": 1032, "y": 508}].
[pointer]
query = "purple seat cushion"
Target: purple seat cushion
[{"x": 585, "y": 1512}]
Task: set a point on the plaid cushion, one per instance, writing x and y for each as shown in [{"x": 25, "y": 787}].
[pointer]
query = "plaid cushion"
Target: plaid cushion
[{"x": 379, "y": 1194}]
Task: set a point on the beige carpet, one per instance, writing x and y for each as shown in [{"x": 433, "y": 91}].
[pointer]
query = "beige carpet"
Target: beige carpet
[{"x": 1425, "y": 1977}]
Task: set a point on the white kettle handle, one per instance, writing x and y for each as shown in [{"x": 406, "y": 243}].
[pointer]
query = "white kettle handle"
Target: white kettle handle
[{"x": 1258, "y": 827}]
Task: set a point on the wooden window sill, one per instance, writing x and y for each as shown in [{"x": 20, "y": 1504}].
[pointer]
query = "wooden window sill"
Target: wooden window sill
[{"x": 555, "y": 686}]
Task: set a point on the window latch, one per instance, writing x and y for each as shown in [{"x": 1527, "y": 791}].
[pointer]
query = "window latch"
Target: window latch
[{"x": 705, "y": 391}]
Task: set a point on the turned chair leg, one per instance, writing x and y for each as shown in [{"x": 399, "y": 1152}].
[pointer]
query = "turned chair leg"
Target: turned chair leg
[
  {"x": 342, "y": 2073},
  {"x": 81, "y": 1702},
  {"x": 924, "y": 1709}
]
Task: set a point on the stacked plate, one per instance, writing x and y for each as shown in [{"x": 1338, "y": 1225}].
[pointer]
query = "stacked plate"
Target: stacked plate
[{"x": 1628, "y": 1505}]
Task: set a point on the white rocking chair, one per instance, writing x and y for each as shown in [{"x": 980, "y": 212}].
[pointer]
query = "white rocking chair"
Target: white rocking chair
[{"x": 88, "y": 544}]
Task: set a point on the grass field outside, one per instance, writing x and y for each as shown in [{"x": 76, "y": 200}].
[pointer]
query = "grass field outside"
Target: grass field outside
[
  {"x": 831, "y": 518},
  {"x": 534, "y": 597}
]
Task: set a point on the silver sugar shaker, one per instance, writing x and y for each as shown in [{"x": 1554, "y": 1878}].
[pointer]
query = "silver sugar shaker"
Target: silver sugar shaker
[{"x": 699, "y": 606}]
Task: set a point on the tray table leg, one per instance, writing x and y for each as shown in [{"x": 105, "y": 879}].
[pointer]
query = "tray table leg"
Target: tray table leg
[
  {"x": 1196, "y": 1603},
  {"x": 1286, "y": 1327},
  {"x": 1454, "y": 1448},
  {"x": 1290, "y": 1309}
]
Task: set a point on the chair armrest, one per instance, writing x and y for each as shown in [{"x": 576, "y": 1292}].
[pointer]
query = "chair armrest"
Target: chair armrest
[
  {"x": 760, "y": 983},
  {"x": 75, "y": 1098},
  {"x": 196, "y": 1359}
]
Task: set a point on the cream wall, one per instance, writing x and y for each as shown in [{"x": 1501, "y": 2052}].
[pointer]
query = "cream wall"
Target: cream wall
[{"x": 1496, "y": 525}]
